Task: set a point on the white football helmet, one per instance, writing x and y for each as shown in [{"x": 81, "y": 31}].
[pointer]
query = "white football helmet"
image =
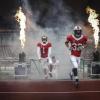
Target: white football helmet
[
  {"x": 77, "y": 31},
  {"x": 44, "y": 39},
  {"x": 77, "y": 28}
]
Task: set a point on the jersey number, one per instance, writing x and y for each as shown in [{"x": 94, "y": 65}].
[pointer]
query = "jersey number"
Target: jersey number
[
  {"x": 43, "y": 50},
  {"x": 75, "y": 46}
]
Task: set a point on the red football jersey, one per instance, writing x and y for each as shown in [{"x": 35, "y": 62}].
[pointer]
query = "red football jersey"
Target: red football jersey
[
  {"x": 44, "y": 49},
  {"x": 75, "y": 43}
]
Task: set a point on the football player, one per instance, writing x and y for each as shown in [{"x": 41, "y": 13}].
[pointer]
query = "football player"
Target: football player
[
  {"x": 76, "y": 42},
  {"x": 44, "y": 52}
]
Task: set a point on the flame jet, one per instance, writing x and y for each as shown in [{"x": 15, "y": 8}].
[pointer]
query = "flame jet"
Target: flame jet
[
  {"x": 94, "y": 22},
  {"x": 21, "y": 19}
]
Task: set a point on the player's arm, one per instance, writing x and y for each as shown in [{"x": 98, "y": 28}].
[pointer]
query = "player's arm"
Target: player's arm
[
  {"x": 67, "y": 43},
  {"x": 49, "y": 53},
  {"x": 85, "y": 41},
  {"x": 83, "y": 45},
  {"x": 80, "y": 47},
  {"x": 38, "y": 52}
]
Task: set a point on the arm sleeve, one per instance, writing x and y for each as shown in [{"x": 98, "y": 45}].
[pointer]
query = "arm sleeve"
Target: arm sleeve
[
  {"x": 68, "y": 38},
  {"x": 38, "y": 52},
  {"x": 85, "y": 41},
  {"x": 67, "y": 41},
  {"x": 49, "y": 54},
  {"x": 49, "y": 51}
]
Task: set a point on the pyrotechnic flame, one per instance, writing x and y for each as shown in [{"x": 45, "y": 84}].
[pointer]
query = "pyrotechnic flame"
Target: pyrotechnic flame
[
  {"x": 21, "y": 18},
  {"x": 94, "y": 22}
]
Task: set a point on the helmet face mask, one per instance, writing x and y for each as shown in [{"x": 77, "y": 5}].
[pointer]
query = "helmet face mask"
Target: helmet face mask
[
  {"x": 77, "y": 31},
  {"x": 44, "y": 39}
]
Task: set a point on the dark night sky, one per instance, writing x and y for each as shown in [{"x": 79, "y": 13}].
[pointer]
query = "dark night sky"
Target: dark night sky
[{"x": 8, "y": 7}]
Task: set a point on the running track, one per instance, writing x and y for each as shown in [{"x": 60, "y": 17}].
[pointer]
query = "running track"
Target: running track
[{"x": 49, "y": 90}]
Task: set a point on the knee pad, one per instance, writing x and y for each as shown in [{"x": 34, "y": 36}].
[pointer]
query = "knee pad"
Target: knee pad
[{"x": 75, "y": 72}]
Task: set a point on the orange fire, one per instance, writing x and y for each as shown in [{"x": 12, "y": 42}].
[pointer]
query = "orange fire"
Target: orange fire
[
  {"x": 21, "y": 18},
  {"x": 94, "y": 22}
]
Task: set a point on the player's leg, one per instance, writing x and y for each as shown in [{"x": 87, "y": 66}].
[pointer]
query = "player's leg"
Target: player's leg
[
  {"x": 50, "y": 70},
  {"x": 45, "y": 73},
  {"x": 55, "y": 73},
  {"x": 75, "y": 67},
  {"x": 45, "y": 68},
  {"x": 78, "y": 62},
  {"x": 75, "y": 71}
]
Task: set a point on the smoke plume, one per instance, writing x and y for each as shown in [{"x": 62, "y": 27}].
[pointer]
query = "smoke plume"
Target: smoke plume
[{"x": 54, "y": 20}]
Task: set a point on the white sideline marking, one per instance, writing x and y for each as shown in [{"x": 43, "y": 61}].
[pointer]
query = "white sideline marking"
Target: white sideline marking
[{"x": 74, "y": 92}]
